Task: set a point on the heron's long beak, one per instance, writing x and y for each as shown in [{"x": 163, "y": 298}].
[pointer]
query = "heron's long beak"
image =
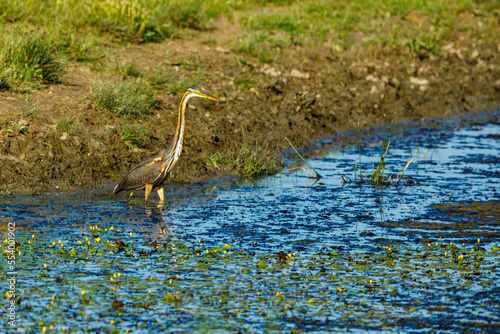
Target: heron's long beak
[{"x": 210, "y": 97}]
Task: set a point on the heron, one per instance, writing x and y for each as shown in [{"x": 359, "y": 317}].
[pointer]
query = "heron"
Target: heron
[{"x": 152, "y": 172}]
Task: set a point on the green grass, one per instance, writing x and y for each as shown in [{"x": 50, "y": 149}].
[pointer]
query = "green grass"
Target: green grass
[
  {"x": 69, "y": 125},
  {"x": 247, "y": 81},
  {"x": 17, "y": 128},
  {"x": 135, "y": 135},
  {"x": 125, "y": 98},
  {"x": 217, "y": 159},
  {"x": 28, "y": 59},
  {"x": 251, "y": 161},
  {"x": 82, "y": 30},
  {"x": 256, "y": 161},
  {"x": 378, "y": 175},
  {"x": 260, "y": 45},
  {"x": 30, "y": 109}
]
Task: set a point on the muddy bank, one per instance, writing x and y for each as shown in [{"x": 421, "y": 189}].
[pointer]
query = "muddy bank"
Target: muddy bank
[{"x": 307, "y": 94}]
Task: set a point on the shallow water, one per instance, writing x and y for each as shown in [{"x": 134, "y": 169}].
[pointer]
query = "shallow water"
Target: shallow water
[{"x": 305, "y": 254}]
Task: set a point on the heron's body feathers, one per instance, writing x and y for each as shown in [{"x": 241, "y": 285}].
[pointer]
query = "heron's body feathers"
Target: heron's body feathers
[{"x": 146, "y": 172}]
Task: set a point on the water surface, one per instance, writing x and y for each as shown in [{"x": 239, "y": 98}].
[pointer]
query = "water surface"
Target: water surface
[{"x": 282, "y": 253}]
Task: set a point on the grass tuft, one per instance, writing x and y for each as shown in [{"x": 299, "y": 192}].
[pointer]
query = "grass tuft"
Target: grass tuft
[
  {"x": 125, "y": 98},
  {"x": 135, "y": 135},
  {"x": 16, "y": 129},
  {"x": 252, "y": 162},
  {"x": 28, "y": 59},
  {"x": 69, "y": 125}
]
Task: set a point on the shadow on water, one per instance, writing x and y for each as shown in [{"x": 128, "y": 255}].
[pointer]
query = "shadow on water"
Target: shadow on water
[{"x": 283, "y": 253}]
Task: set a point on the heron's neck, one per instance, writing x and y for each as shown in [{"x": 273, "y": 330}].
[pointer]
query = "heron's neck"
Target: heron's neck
[{"x": 179, "y": 133}]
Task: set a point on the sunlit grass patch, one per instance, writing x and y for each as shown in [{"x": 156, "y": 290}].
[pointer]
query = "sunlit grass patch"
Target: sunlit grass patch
[
  {"x": 17, "y": 128},
  {"x": 125, "y": 98},
  {"x": 284, "y": 22},
  {"x": 247, "y": 81},
  {"x": 260, "y": 45},
  {"x": 217, "y": 159},
  {"x": 134, "y": 134},
  {"x": 132, "y": 20},
  {"x": 28, "y": 59},
  {"x": 256, "y": 160},
  {"x": 251, "y": 161},
  {"x": 69, "y": 125}
]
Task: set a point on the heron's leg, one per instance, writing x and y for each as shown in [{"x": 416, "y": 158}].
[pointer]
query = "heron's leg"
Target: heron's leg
[
  {"x": 161, "y": 193},
  {"x": 149, "y": 187}
]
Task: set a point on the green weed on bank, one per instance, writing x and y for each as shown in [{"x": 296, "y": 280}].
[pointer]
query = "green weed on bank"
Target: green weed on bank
[
  {"x": 28, "y": 59},
  {"x": 125, "y": 98}
]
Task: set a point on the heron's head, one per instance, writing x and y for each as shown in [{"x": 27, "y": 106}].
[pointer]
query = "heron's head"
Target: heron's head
[{"x": 197, "y": 92}]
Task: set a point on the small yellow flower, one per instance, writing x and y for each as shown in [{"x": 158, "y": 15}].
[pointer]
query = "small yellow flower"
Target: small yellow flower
[
  {"x": 53, "y": 298},
  {"x": 436, "y": 244},
  {"x": 131, "y": 234},
  {"x": 119, "y": 275},
  {"x": 277, "y": 294},
  {"x": 111, "y": 279},
  {"x": 51, "y": 327},
  {"x": 44, "y": 329},
  {"x": 64, "y": 329},
  {"x": 478, "y": 240},
  {"x": 149, "y": 291},
  {"x": 112, "y": 322},
  {"x": 98, "y": 239},
  {"x": 371, "y": 281},
  {"x": 86, "y": 239},
  {"x": 79, "y": 242},
  {"x": 29, "y": 242},
  {"x": 114, "y": 289},
  {"x": 258, "y": 293},
  {"x": 32, "y": 236},
  {"x": 83, "y": 293},
  {"x": 428, "y": 245},
  {"x": 445, "y": 254},
  {"x": 111, "y": 228},
  {"x": 45, "y": 265}
]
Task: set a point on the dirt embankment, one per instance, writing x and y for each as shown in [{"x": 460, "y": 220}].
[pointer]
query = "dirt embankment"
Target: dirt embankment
[{"x": 306, "y": 94}]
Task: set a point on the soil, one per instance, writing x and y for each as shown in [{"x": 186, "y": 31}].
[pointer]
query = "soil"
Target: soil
[{"x": 306, "y": 94}]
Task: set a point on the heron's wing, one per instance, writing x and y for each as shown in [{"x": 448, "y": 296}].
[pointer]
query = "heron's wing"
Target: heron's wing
[{"x": 146, "y": 172}]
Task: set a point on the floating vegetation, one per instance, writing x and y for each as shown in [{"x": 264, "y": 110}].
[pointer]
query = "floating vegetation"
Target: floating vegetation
[{"x": 151, "y": 281}]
